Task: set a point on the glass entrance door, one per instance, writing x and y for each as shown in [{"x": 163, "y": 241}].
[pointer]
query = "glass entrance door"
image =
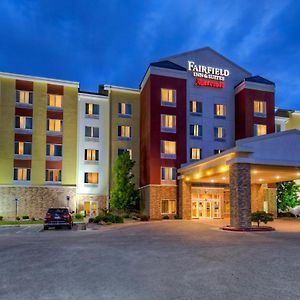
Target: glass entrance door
[{"x": 91, "y": 208}]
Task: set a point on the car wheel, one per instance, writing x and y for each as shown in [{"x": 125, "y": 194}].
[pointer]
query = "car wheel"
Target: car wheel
[{"x": 46, "y": 227}]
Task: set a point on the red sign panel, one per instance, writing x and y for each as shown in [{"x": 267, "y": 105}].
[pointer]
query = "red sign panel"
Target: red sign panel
[{"x": 209, "y": 83}]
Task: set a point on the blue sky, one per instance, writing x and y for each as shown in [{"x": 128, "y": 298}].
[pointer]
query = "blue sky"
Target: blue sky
[{"x": 113, "y": 41}]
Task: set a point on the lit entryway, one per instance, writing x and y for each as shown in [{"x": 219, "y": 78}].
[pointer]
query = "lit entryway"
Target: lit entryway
[
  {"x": 206, "y": 202},
  {"x": 91, "y": 208}
]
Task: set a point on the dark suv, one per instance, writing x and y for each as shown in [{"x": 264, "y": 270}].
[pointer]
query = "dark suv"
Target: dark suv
[{"x": 58, "y": 217}]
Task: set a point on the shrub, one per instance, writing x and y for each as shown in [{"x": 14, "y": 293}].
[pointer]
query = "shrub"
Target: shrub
[
  {"x": 261, "y": 216},
  {"x": 119, "y": 219},
  {"x": 97, "y": 219},
  {"x": 166, "y": 217},
  {"x": 18, "y": 218},
  {"x": 79, "y": 216},
  {"x": 25, "y": 217},
  {"x": 144, "y": 218},
  {"x": 177, "y": 217},
  {"x": 108, "y": 223},
  {"x": 1, "y": 218},
  {"x": 32, "y": 219}
]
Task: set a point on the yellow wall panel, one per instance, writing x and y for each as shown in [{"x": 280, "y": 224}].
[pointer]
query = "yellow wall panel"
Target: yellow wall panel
[
  {"x": 7, "y": 125},
  {"x": 69, "y": 162},
  {"x": 38, "y": 164}
]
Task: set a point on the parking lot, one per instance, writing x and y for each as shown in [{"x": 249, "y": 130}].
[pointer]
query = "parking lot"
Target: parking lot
[{"x": 151, "y": 260}]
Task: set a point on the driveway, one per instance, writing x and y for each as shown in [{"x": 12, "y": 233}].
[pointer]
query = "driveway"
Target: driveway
[{"x": 151, "y": 260}]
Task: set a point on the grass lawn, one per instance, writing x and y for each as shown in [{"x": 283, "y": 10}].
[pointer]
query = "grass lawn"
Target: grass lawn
[{"x": 21, "y": 222}]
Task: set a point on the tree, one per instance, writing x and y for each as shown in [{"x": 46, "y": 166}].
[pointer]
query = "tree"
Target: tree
[
  {"x": 261, "y": 216},
  {"x": 287, "y": 196},
  {"x": 124, "y": 195}
]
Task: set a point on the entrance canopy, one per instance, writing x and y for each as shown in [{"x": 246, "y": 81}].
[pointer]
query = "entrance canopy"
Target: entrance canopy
[{"x": 273, "y": 158}]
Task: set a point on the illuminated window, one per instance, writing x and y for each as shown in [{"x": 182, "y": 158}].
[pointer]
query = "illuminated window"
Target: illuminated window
[
  {"x": 168, "y": 149},
  {"x": 23, "y": 122},
  {"x": 219, "y": 133},
  {"x": 53, "y": 175},
  {"x": 54, "y": 125},
  {"x": 196, "y": 130},
  {"x": 260, "y": 108},
  {"x": 220, "y": 110},
  {"x": 124, "y": 132},
  {"x": 260, "y": 129},
  {"x": 91, "y": 178},
  {"x": 22, "y": 148},
  {"x": 91, "y": 132},
  {"x": 168, "y": 123},
  {"x": 168, "y": 174},
  {"x": 121, "y": 152},
  {"x": 195, "y": 153},
  {"x": 24, "y": 97},
  {"x": 218, "y": 151},
  {"x": 53, "y": 150},
  {"x": 124, "y": 109},
  {"x": 55, "y": 100},
  {"x": 196, "y": 107},
  {"x": 168, "y": 207},
  {"x": 168, "y": 97},
  {"x": 22, "y": 174},
  {"x": 92, "y": 109},
  {"x": 91, "y": 154}
]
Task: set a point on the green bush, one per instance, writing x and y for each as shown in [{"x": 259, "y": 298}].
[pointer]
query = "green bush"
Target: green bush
[
  {"x": 97, "y": 219},
  {"x": 25, "y": 217},
  {"x": 79, "y": 216},
  {"x": 144, "y": 218},
  {"x": 33, "y": 219},
  {"x": 1, "y": 218},
  {"x": 108, "y": 218},
  {"x": 261, "y": 216},
  {"x": 166, "y": 217},
  {"x": 18, "y": 218},
  {"x": 119, "y": 219},
  {"x": 177, "y": 217}
]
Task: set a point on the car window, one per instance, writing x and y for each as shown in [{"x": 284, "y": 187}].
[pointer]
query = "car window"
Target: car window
[{"x": 57, "y": 211}]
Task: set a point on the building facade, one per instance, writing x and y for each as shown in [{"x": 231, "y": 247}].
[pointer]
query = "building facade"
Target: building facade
[{"x": 58, "y": 144}]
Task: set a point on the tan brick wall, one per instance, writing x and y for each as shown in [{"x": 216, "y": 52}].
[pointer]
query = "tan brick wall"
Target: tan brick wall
[
  {"x": 257, "y": 197},
  {"x": 152, "y": 195},
  {"x": 270, "y": 196},
  {"x": 240, "y": 195},
  {"x": 34, "y": 201},
  {"x": 184, "y": 200}
]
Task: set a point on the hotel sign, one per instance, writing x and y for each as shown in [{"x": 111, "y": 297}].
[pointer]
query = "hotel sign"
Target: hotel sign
[{"x": 208, "y": 76}]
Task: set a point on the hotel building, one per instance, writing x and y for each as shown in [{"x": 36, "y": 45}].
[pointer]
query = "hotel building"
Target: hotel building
[{"x": 195, "y": 126}]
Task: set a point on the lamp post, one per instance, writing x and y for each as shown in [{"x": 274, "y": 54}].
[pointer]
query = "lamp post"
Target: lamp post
[{"x": 16, "y": 201}]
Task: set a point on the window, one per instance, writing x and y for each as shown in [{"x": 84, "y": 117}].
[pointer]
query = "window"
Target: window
[
  {"x": 91, "y": 154},
  {"x": 121, "y": 151},
  {"x": 91, "y": 132},
  {"x": 220, "y": 110},
  {"x": 53, "y": 175},
  {"x": 24, "y": 97},
  {"x": 124, "y": 109},
  {"x": 168, "y": 123},
  {"x": 124, "y": 132},
  {"x": 218, "y": 151},
  {"x": 168, "y": 149},
  {"x": 53, "y": 150},
  {"x": 195, "y": 153},
  {"x": 168, "y": 207},
  {"x": 260, "y": 129},
  {"x": 22, "y": 174},
  {"x": 23, "y": 122},
  {"x": 54, "y": 125},
  {"x": 92, "y": 109},
  {"x": 22, "y": 148},
  {"x": 168, "y": 97},
  {"x": 196, "y": 130},
  {"x": 168, "y": 174},
  {"x": 219, "y": 133},
  {"x": 91, "y": 178},
  {"x": 260, "y": 108},
  {"x": 278, "y": 127},
  {"x": 196, "y": 107},
  {"x": 55, "y": 100}
]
